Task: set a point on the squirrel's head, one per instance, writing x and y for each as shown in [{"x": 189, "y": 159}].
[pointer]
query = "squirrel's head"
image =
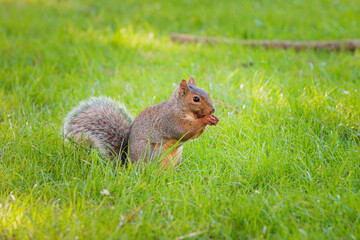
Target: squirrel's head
[{"x": 194, "y": 100}]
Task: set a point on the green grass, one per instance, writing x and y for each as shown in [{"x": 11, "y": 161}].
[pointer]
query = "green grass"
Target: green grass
[{"x": 287, "y": 166}]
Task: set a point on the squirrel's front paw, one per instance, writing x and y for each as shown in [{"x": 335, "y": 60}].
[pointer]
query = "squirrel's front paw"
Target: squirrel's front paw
[{"x": 212, "y": 120}]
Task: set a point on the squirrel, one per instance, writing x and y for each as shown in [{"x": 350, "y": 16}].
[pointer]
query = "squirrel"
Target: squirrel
[{"x": 158, "y": 131}]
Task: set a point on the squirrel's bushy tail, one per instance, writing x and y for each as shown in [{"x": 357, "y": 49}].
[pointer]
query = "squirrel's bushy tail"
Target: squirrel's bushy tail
[{"x": 101, "y": 123}]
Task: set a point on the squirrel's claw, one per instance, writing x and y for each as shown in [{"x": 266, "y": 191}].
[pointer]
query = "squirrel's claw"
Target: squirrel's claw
[{"x": 212, "y": 120}]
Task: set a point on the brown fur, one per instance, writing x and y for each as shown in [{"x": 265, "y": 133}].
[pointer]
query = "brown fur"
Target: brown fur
[
  {"x": 158, "y": 130},
  {"x": 178, "y": 119}
]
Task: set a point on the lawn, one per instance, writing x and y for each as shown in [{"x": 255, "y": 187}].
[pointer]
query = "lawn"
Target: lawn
[{"x": 285, "y": 165}]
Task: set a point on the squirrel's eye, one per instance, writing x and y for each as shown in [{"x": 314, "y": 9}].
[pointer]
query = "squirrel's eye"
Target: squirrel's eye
[{"x": 196, "y": 99}]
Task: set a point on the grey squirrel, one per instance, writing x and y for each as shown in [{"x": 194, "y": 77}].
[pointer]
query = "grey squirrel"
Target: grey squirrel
[{"x": 158, "y": 130}]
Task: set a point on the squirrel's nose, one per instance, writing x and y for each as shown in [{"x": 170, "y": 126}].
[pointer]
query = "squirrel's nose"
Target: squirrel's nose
[{"x": 212, "y": 111}]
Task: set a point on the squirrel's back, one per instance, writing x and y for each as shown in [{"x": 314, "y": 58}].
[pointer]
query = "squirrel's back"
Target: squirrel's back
[{"x": 100, "y": 122}]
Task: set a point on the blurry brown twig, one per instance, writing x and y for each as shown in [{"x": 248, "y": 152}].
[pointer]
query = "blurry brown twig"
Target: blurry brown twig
[
  {"x": 334, "y": 45},
  {"x": 193, "y": 234},
  {"x": 134, "y": 214}
]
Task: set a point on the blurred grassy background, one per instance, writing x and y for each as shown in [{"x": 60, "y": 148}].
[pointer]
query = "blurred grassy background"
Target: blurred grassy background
[{"x": 287, "y": 166}]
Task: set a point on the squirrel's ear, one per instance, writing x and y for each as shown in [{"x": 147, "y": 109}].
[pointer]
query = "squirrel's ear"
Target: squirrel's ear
[
  {"x": 183, "y": 88},
  {"x": 192, "y": 80}
]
